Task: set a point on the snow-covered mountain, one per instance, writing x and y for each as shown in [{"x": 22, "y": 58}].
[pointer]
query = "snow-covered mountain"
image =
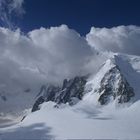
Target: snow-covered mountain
[
  {"x": 109, "y": 84},
  {"x": 117, "y": 79},
  {"x": 85, "y": 102}
]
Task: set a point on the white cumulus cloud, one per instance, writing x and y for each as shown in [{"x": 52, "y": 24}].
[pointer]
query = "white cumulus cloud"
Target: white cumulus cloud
[
  {"x": 123, "y": 39},
  {"x": 42, "y": 56}
]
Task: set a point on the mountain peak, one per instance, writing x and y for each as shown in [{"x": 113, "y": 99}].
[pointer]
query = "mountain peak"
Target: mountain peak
[{"x": 109, "y": 84}]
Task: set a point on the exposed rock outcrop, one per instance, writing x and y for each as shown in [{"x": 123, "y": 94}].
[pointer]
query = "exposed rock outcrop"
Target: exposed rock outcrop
[
  {"x": 114, "y": 85},
  {"x": 71, "y": 92}
]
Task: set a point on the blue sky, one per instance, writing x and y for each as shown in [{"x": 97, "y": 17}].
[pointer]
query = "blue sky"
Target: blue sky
[{"x": 80, "y": 14}]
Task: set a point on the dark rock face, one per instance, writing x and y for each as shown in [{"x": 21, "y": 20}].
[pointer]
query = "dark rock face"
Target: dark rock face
[
  {"x": 114, "y": 85},
  {"x": 39, "y": 101},
  {"x": 71, "y": 91}
]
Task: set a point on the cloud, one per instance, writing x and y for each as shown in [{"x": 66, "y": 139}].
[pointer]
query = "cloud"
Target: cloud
[
  {"x": 50, "y": 55},
  {"x": 62, "y": 52},
  {"x": 123, "y": 39},
  {"x": 42, "y": 56},
  {"x": 10, "y": 9}
]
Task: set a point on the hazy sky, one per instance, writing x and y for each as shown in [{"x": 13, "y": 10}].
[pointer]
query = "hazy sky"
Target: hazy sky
[{"x": 80, "y": 14}]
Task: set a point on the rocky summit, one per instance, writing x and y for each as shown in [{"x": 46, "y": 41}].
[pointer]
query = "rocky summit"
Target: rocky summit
[{"x": 114, "y": 85}]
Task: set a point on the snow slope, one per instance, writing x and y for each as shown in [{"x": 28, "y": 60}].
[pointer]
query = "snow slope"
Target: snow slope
[{"x": 82, "y": 121}]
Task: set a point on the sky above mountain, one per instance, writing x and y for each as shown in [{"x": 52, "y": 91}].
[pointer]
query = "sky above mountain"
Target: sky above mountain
[
  {"x": 42, "y": 40},
  {"x": 80, "y": 15}
]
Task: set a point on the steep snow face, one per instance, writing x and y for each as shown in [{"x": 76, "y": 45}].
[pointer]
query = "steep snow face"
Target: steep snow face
[
  {"x": 130, "y": 68},
  {"x": 109, "y": 84}
]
